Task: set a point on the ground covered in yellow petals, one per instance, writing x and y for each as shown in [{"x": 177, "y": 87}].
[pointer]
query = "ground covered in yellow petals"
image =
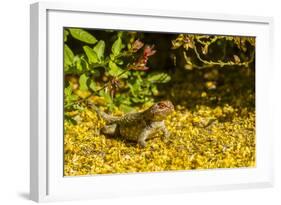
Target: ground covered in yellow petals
[{"x": 201, "y": 139}]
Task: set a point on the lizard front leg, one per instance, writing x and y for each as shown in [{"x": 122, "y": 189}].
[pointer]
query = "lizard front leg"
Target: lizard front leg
[
  {"x": 165, "y": 131},
  {"x": 161, "y": 126},
  {"x": 143, "y": 135}
]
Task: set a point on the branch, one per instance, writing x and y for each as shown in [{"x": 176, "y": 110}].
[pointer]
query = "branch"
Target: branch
[{"x": 221, "y": 63}]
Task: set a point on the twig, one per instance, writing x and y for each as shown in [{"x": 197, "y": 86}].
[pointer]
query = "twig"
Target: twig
[
  {"x": 221, "y": 63},
  {"x": 106, "y": 84}
]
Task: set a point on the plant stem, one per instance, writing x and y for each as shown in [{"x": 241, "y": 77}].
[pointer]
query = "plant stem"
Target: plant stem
[{"x": 106, "y": 84}]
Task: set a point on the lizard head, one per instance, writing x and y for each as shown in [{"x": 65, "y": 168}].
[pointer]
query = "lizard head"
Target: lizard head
[{"x": 160, "y": 110}]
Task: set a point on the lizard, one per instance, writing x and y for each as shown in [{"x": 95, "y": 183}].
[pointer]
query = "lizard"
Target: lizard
[{"x": 137, "y": 126}]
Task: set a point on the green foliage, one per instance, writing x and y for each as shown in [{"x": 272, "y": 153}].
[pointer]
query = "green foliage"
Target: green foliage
[
  {"x": 118, "y": 70},
  {"x": 111, "y": 72}
]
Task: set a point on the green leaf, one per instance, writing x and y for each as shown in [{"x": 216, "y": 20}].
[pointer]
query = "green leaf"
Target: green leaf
[
  {"x": 91, "y": 54},
  {"x": 154, "y": 90},
  {"x": 65, "y": 34},
  {"x": 81, "y": 64},
  {"x": 93, "y": 85},
  {"x": 82, "y": 35},
  {"x": 120, "y": 34},
  {"x": 83, "y": 82},
  {"x": 122, "y": 99},
  {"x": 117, "y": 46},
  {"x": 72, "y": 98},
  {"x": 158, "y": 78},
  {"x": 84, "y": 64},
  {"x": 116, "y": 71},
  {"x": 68, "y": 56},
  {"x": 112, "y": 57},
  {"x": 68, "y": 91},
  {"x": 99, "y": 49},
  {"x": 77, "y": 62}
]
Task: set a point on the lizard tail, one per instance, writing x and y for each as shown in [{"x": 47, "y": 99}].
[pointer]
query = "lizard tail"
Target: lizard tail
[{"x": 107, "y": 118}]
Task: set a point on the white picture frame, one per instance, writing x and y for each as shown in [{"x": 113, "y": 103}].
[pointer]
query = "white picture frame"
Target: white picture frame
[{"x": 47, "y": 182}]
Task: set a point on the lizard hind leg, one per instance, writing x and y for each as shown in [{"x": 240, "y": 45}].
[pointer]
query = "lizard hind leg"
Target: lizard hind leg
[{"x": 110, "y": 130}]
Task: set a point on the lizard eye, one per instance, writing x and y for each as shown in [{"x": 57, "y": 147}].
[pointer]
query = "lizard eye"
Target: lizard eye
[{"x": 161, "y": 105}]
